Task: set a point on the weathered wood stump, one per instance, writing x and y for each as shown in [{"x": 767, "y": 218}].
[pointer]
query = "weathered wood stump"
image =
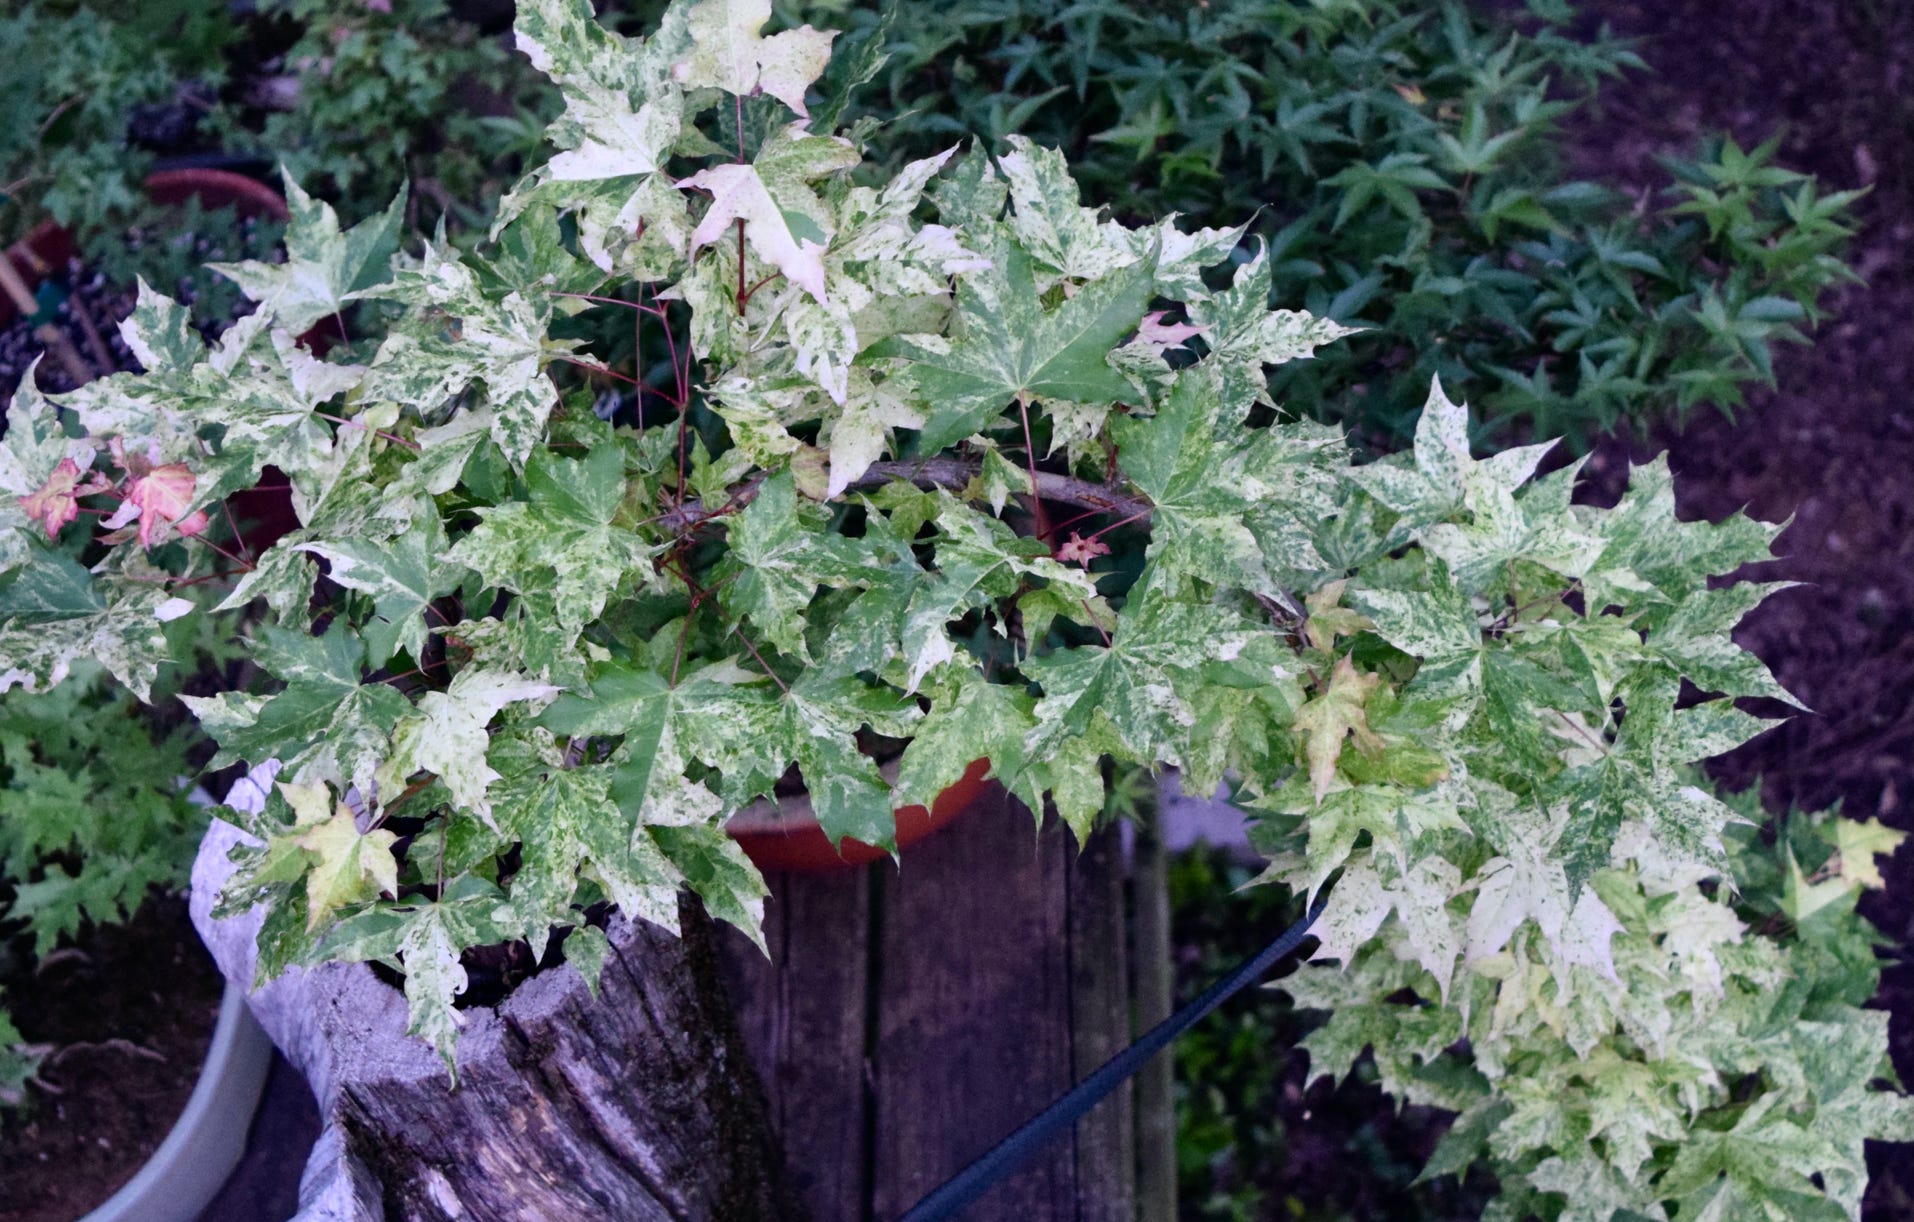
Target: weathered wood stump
[
  {"x": 905, "y": 1021},
  {"x": 639, "y": 1104}
]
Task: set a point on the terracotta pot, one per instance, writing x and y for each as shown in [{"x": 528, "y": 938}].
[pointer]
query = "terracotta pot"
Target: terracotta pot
[
  {"x": 217, "y": 189},
  {"x": 785, "y": 836}
]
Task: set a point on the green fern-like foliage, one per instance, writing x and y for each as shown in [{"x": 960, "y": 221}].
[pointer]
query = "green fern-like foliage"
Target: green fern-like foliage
[
  {"x": 1407, "y": 161},
  {"x": 867, "y": 498},
  {"x": 94, "y": 813}
]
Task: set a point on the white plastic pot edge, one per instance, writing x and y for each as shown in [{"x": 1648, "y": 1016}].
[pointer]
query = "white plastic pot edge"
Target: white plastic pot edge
[{"x": 208, "y": 1139}]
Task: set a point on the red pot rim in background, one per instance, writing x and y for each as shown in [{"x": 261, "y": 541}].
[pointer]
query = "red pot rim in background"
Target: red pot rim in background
[
  {"x": 217, "y": 189},
  {"x": 47, "y": 249},
  {"x": 791, "y": 840}
]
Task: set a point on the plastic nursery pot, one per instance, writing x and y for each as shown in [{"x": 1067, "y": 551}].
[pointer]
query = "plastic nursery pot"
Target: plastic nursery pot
[
  {"x": 785, "y": 836},
  {"x": 208, "y": 1139}
]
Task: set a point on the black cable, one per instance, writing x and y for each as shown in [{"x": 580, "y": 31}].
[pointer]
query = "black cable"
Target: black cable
[{"x": 973, "y": 1181}]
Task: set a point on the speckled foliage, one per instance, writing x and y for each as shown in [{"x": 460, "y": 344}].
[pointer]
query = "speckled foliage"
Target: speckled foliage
[{"x": 556, "y": 654}]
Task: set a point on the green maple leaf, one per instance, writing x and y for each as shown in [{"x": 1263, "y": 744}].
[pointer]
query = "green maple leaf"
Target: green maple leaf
[
  {"x": 323, "y": 266},
  {"x": 970, "y": 719},
  {"x": 32, "y": 446},
  {"x": 1648, "y": 550},
  {"x": 649, "y": 712},
  {"x": 446, "y": 735},
  {"x": 54, "y": 613},
  {"x": 1693, "y": 637},
  {"x": 978, "y": 560},
  {"x": 870, "y": 631},
  {"x": 1229, "y": 503},
  {"x": 558, "y": 549},
  {"x": 623, "y": 115},
  {"x": 499, "y": 342},
  {"x": 1859, "y": 843},
  {"x": 1006, "y": 347},
  {"x": 1137, "y": 694},
  {"x": 1244, "y": 335},
  {"x": 1440, "y": 476},
  {"x": 1508, "y": 683},
  {"x": 779, "y": 554},
  {"x": 434, "y": 977},
  {"x": 1765, "y": 1154},
  {"x": 751, "y": 732},
  {"x": 566, "y": 822},
  {"x": 256, "y": 386},
  {"x": 713, "y": 866},
  {"x": 814, "y": 726},
  {"x": 325, "y": 726},
  {"x": 160, "y": 333},
  {"x": 403, "y": 575}
]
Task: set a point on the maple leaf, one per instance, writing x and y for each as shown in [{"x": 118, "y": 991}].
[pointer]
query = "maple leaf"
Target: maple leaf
[
  {"x": 159, "y": 496},
  {"x": 1244, "y": 334},
  {"x": 782, "y": 218},
  {"x": 1081, "y": 551},
  {"x": 1336, "y": 714},
  {"x": 1232, "y": 505},
  {"x": 623, "y": 113},
  {"x": 446, "y": 734},
  {"x": 859, "y": 435},
  {"x": 780, "y": 554},
  {"x": 1163, "y": 337},
  {"x": 730, "y": 54},
  {"x": 1008, "y": 348},
  {"x": 1064, "y": 238},
  {"x": 160, "y": 334},
  {"x": 323, "y": 266},
  {"x": 1328, "y": 619},
  {"x": 54, "y": 613},
  {"x": 351, "y": 865},
  {"x": 327, "y": 725},
  {"x": 558, "y": 549},
  {"x": 403, "y": 576},
  {"x": 500, "y": 342},
  {"x": 57, "y": 502},
  {"x": 1133, "y": 695},
  {"x": 1859, "y": 843},
  {"x": 434, "y": 977}
]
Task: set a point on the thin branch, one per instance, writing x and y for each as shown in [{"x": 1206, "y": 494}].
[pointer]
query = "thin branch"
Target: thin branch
[{"x": 947, "y": 473}]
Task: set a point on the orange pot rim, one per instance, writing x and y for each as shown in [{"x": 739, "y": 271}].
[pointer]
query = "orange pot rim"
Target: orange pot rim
[{"x": 802, "y": 847}]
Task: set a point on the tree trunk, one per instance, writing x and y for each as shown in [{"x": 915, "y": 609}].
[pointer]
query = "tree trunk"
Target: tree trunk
[{"x": 639, "y": 1104}]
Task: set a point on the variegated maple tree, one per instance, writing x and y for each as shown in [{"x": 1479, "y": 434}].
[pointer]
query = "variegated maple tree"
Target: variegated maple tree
[{"x": 524, "y": 662}]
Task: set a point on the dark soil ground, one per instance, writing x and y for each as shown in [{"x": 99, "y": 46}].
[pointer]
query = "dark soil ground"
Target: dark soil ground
[{"x": 129, "y": 1011}]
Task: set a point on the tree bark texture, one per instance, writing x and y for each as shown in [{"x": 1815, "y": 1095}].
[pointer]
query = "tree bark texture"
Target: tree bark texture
[{"x": 638, "y": 1104}]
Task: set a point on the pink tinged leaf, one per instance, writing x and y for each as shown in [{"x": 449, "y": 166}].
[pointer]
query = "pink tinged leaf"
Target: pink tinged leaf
[
  {"x": 161, "y": 497},
  {"x": 1163, "y": 336},
  {"x": 1081, "y": 551},
  {"x": 57, "y": 502}
]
